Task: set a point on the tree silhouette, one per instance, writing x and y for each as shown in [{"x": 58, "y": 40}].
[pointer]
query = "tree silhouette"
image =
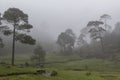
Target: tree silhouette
[
  {"x": 39, "y": 56},
  {"x": 1, "y": 31},
  {"x": 66, "y": 40},
  {"x": 105, "y": 18},
  {"x": 96, "y": 31},
  {"x": 19, "y": 20}
]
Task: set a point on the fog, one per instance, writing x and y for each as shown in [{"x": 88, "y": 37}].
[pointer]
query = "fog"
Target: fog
[
  {"x": 50, "y": 17},
  {"x": 60, "y": 39}
]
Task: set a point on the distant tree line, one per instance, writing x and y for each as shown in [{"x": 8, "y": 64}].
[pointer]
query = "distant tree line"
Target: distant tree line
[{"x": 96, "y": 40}]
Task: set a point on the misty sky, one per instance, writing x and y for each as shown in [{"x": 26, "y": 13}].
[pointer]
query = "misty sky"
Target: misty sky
[{"x": 50, "y": 17}]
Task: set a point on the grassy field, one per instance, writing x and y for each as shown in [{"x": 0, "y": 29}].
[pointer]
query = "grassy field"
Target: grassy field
[
  {"x": 68, "y": 68},
  {"x": 62, "y": 74}
]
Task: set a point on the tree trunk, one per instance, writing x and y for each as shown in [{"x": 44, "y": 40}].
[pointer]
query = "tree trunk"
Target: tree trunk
[
  {"x": 13, "y": 46},
  {"x": 102, "y": 45},
  {"x": 39, "y": 61},
  {"x": 101, "y": 40},
  {"x": 64, "y": 49}
]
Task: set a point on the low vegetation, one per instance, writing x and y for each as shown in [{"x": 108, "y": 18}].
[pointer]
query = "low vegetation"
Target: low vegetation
[{"x": 72, "y": 68}]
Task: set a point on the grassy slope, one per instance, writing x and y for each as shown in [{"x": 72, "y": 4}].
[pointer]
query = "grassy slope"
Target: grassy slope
[
  {"x": 62, "y": 74},
  {"x": 101, "y": 70}
]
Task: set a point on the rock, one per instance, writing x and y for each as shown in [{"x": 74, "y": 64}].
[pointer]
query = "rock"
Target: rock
[
  {"x": 41, "y": 71},
  {"x": 47, "y": 73}
]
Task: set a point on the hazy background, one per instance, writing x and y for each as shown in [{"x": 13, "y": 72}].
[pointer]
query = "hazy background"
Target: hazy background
[{"x": 51, "y": 17}]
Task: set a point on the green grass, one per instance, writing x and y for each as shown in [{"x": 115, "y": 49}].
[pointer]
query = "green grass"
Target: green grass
[
  {"x": 62, "y": 74},
  {"x": 10, "y": 69},
  {"x": 66, "y": 66},
  {"x": 19, "y": 59}
]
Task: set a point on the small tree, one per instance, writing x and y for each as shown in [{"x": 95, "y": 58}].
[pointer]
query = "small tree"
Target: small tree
[{"x": 39, "y": 56}]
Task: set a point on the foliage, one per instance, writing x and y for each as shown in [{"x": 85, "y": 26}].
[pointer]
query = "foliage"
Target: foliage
[
  {"x": 26, "y": 39},
  {"x": 95, "y": 30},
  {"x": 14, "y": 15},
  {"x": 19, "y": 20},
  {"x": 39, "y": 56},
  {"x": 66, "y": 40},
  {"x": 94, "y": 34},
  {"x": 105, "y": 18}
]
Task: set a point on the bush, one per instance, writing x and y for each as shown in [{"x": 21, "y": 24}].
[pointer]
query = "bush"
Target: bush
[
  {"x": 54, "y": 73},
  {"x": 88, "y": 73}
]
